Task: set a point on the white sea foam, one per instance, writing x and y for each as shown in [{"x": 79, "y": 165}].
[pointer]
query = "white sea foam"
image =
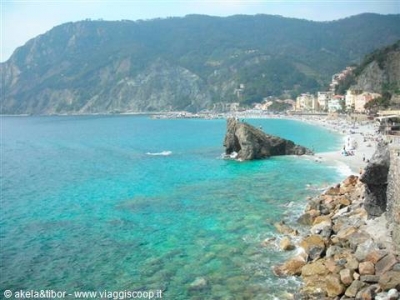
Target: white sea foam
[{"x": 162, "y": 153}]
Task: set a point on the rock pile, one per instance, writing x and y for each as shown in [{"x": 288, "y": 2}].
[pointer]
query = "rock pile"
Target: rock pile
[{"x": 343, "y": 256}]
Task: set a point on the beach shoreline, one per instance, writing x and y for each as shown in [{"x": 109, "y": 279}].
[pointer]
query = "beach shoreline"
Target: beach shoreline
[{"x": 358, "y": 145}]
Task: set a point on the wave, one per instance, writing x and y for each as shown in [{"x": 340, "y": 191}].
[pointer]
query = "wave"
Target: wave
[{"x": 162, "y": 153}]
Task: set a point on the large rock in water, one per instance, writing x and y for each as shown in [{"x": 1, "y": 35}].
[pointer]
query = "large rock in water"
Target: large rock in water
[
  {"x": 251, "y": 143},
  {"x": 375, "y": 178}
]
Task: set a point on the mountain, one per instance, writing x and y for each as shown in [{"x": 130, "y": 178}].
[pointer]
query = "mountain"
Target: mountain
[
  {"x": 191, "y": 63},
  {"x": 379, "y": 72}
]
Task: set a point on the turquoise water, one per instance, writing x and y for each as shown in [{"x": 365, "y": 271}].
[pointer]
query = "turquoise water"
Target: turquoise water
[{"x": 85, "y": 207}]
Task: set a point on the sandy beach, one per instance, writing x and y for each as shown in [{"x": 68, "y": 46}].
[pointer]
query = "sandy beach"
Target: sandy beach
[{"x": 359, "y": 142}]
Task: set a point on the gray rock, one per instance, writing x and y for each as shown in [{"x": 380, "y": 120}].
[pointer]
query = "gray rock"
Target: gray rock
[
  {"x": 376, "y": 179},
  {"x": 369, "y": 278},
  {"x": 251, "y": 143},
  {"x": 333, "y": 250},
  {"x": 385, "y": 264},
  {"x": 353, "y": 289},
  {"x": 365, "y": 248}
]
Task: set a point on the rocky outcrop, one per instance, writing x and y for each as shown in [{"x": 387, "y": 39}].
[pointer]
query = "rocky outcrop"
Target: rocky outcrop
[
  {"x": 245, "y": 142},
  {"x": 353, "y": 260},
  {"x": 375, "y": 178},
  {"x": 378, "y": 73},
  {"x": 381, "y": 72}
]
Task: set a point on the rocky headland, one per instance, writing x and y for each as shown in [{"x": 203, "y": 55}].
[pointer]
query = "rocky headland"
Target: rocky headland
[
  {"x": 351, "y": 246},
  {"x": 245, "y": 142}
]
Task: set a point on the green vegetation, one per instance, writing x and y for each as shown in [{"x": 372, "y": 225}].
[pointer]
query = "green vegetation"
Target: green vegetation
[
  {"x": 380, "y": 56},
  {"x": 377, "y": 104},
  {"x": 279, "y": 106}
]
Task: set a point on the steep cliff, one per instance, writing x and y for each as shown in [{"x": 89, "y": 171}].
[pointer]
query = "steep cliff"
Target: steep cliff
[
  {"x": 246, "y": 142},
  {"x": 380, "y": 73},
  {"x": 191, "y": 63}
]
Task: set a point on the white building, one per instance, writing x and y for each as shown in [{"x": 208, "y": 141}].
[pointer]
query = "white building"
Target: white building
[
  {"x": 306, "y": 102},
  {"x": 335, "y": 103},
  {"x": 350, "y": 98},
  {"x": 323, "y": 99}
]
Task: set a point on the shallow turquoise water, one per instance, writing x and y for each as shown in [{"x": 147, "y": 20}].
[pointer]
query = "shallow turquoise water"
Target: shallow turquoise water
[{"x": 84, "y": 207}]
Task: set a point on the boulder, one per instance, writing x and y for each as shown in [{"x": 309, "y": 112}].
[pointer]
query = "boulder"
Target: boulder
[
  {"x": 332, "y": 267},
  {"x": 344, "y": 201},
  {"x": 375, "y": 255},
  {"x": 385, "y": 264},
  {"x": 390, "y": 280},
  {"x": 353, "y": 289},
  {"x": 282, "y": 228},
  {"x": 314, "y": 268},
  {"x": 306, "y": 219},
  {"x": 322, "y": 219},
  {"x": 346, "y": 276},
  {"x": 366, "y": 268},
  {"x": 291, "y": 267},
  {"x": 368, "y": 293},
  {"x": 344, "y": 233},
  {"x": 364, "y": 249},
  {"x": 351, "y": 180},
  {"x": 323, "y": 229},
  {"x": 251, "y": 143},
  {"x": 357, "y": 238},
  {"x": 369, "y": 278},
  {"x": 352, "y": 263},
  {"x": 333, "y": 250},
  {"x": 334, "y": 287},
  {"x": 286, "y": 244},
  {"x": 313, "y": 245},
  {"x": 333, "y": 191}
]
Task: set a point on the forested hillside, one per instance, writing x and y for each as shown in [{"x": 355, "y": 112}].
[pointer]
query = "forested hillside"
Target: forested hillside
[{"x": 193, "y": 63}]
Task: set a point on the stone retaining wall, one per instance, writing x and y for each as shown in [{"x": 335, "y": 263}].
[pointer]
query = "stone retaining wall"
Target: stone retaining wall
[{"x": 393, "y": 195}]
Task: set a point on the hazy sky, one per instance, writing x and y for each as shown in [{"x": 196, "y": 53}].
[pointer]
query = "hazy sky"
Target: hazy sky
[{"x": 22, "y": 20}]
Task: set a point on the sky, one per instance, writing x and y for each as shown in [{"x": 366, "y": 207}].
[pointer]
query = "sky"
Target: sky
[{"x": 22, "y": 20}]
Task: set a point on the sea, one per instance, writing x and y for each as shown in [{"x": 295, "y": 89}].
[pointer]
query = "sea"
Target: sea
[{"x": 124, "y": 204}]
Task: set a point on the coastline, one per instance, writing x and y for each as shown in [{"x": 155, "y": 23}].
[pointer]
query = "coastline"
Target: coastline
[
  {"x": 359, "y": 139},
  {"x": 343, "y": 254}
]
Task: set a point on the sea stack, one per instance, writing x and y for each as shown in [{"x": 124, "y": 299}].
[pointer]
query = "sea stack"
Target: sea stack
[{"x": 245, "y": 142}]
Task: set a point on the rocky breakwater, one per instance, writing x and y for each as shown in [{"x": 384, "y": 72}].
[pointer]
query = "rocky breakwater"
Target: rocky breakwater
[
  {"x": 344, "y": 254},
  {"x": 245, "y": 142}
]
